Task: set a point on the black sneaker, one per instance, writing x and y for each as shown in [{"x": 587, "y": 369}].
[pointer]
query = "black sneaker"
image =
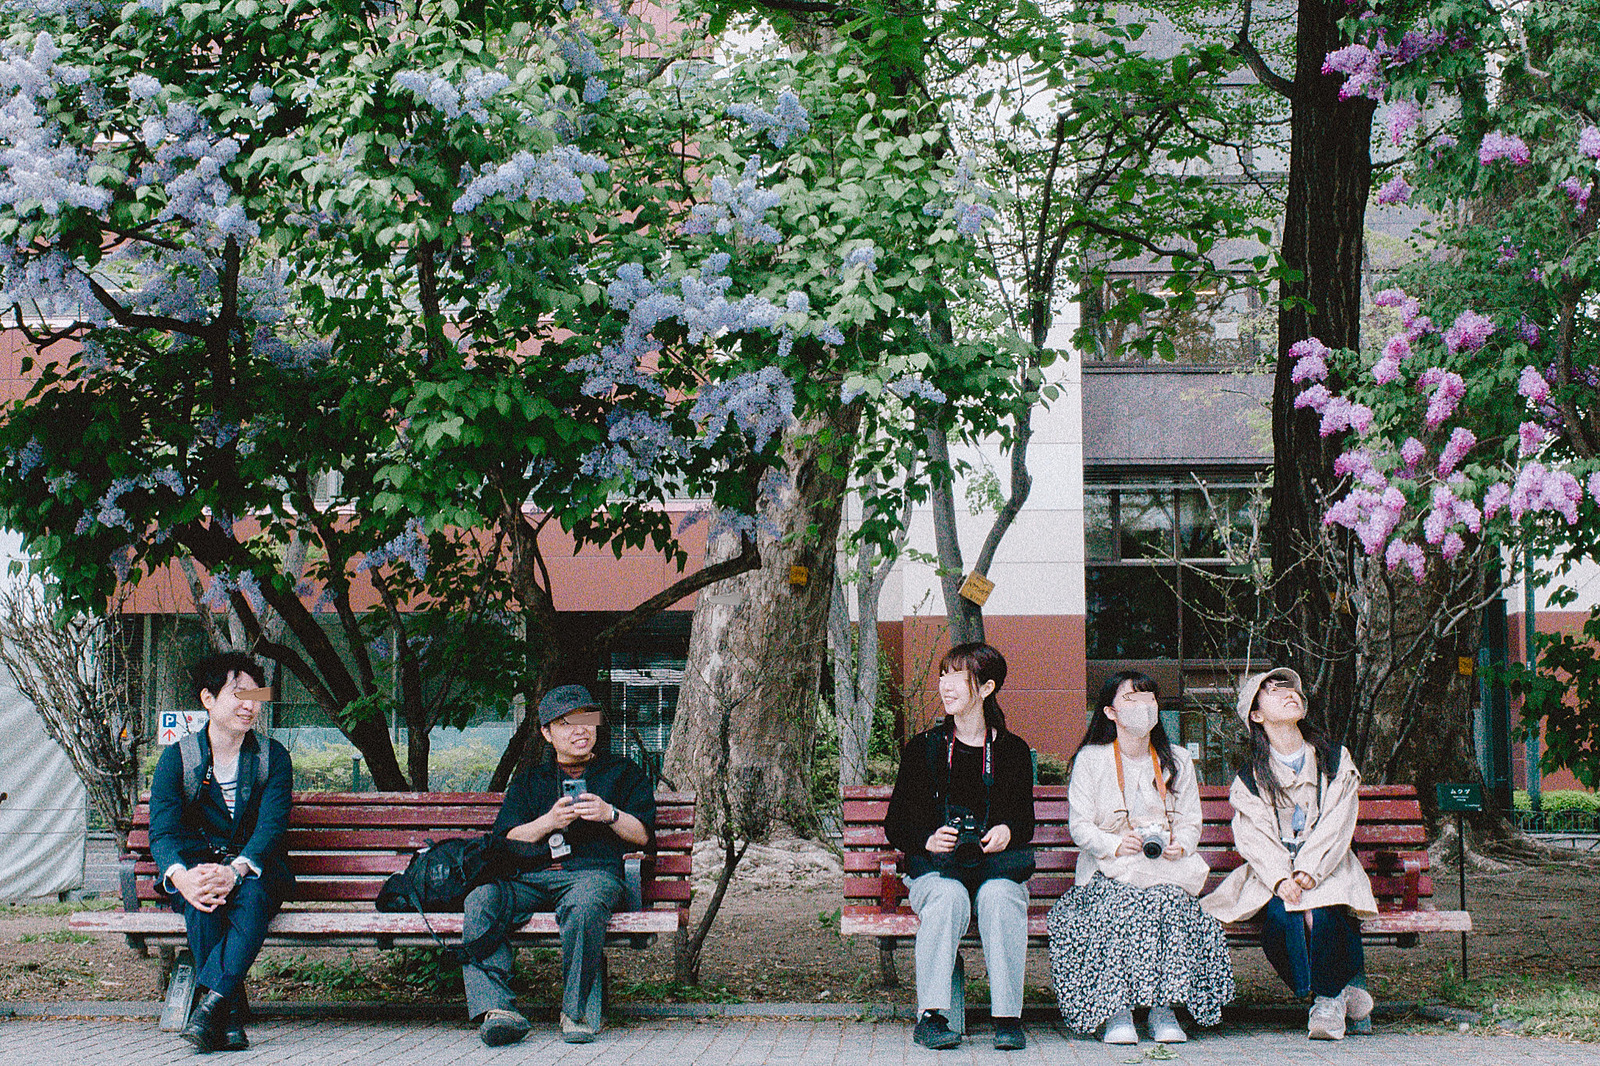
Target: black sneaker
[
  {"x": 932, "y": 1031},
  {"x": 1008, "y": 1034},
  {"x": 502, "y": 1027}
]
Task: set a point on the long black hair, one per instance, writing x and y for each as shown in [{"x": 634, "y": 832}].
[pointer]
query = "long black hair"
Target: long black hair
[
  {"x": 1267, "y": 786},
  {"x": 1102, "y": 730},
  {"x": 982, "y": 663}
]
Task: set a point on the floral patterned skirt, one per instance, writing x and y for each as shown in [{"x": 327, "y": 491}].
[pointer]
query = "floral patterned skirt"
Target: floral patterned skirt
[{"x": 1115, "y": 947}]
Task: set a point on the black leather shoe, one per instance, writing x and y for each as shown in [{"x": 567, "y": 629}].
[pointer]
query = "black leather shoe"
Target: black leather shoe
[
  {"x": 233, "y": 1035},
  {"x": 207, "y": 1023}
]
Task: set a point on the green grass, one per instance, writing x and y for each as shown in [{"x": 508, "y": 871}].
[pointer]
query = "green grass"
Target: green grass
[
  {"x": 1531, "y": 1006},
  {"x": 671, "y": 992},
  {"x": 57, "y": 936}
]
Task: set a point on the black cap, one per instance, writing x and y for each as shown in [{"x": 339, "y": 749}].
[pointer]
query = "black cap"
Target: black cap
[{"x": 564, "y": 700}]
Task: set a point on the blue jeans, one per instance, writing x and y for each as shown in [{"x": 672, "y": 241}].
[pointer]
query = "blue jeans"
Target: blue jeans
[
  {"x": 1331, "y": 959},
  {"x": 225, "y": 941}
]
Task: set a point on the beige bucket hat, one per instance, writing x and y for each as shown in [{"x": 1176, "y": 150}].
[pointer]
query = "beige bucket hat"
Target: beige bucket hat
[{"x": 1251, "y": 685}]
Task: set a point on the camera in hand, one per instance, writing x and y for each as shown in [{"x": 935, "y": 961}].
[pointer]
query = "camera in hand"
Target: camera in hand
[
  {"x": 969, "y": 837},
  {"x": 1152, "y": 840}
]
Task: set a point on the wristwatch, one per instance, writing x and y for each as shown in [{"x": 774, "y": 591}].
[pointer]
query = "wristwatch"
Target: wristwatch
[{"x": 616, "y": 812}]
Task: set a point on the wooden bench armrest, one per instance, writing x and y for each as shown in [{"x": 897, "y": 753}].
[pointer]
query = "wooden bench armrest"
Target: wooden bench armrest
[
  {"x": 1413, "y": 877},
  {"x": 130, "y": 884},
  {"x": 633, "y": 881},
  {"x": 891, "y": 890}
]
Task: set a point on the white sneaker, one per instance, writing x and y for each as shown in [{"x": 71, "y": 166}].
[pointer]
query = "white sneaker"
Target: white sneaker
[
  {"x": 1120, "y": 1030},
  {"x": 1164, "y": 1027},
  {"x": 1327, "y": 1018},
  {"x": 1357, "y": 1003},
  {"x": 576, "y": 1030}
]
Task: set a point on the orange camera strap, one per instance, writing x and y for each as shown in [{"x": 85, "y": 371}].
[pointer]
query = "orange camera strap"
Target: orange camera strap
[{"x": 1122, "y": 784}]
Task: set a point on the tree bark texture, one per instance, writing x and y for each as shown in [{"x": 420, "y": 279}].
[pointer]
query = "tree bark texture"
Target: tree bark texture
[
  {"x": 758, "y": 643},
  {"x": 1330, "y": 174}
]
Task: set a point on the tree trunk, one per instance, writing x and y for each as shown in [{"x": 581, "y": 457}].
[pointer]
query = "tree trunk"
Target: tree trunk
[
  {"x": 1330, "y": 174},
  {"x": 758, "y": 661}
]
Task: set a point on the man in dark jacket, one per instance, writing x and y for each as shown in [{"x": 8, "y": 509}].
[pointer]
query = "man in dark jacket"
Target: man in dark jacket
[
  {"x": 217, "y": 819},
  {"x": 566, "y": 823}
]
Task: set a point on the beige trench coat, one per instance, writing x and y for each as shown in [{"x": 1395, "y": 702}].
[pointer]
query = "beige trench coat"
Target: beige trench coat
[
  {"x": 1336, "y": 873},
  {"x": 1098, "y": 822}
]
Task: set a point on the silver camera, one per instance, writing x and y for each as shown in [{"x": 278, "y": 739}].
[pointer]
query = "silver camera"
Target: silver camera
[
  {"x": 1153, "y": 840},
  {"x": 559, "y": 848}
]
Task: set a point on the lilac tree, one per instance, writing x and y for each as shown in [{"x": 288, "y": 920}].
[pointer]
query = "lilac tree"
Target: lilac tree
[{"x": 1474, "y": 422}]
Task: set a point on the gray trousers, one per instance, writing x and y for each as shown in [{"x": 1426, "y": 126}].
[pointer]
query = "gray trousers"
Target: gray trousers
[
  {"x": 945, "y": 907},
  {"x": 582, "y": 901}
]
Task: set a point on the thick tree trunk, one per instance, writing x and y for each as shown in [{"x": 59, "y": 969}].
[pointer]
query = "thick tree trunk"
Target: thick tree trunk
[
  {"x": 1330, "y": 173},
  {"x": 757, "y": 660}
]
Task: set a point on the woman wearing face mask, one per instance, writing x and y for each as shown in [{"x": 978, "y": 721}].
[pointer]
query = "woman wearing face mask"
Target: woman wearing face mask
[{"x": 1131, "y": 933}]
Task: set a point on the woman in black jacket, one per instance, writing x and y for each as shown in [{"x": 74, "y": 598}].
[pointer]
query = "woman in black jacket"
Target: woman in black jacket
[{"x": 962, "y": 811}]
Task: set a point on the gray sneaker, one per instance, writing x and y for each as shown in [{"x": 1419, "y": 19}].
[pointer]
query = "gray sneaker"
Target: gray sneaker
[
  {"x": 576, "y": 1030},
  {"x": 502, "y": 1027},
  {"x": 1327, "y": 1018}
]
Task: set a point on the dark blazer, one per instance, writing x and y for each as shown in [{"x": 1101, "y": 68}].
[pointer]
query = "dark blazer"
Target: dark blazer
[
  {"x": 537, "y": 786},
  {"x": 194, "y": 833}
]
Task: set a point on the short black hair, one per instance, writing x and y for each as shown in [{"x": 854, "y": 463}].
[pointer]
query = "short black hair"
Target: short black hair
[{"x": 212, "y": 672}]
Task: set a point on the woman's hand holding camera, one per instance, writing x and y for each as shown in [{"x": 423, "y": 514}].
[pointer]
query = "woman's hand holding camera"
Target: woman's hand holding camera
[
  {"x": 996, "y": 839},
  {"x": 943, "y": 840}
]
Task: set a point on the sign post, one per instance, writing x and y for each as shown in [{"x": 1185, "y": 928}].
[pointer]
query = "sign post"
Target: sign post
[{"x": 1461, "y": 798}]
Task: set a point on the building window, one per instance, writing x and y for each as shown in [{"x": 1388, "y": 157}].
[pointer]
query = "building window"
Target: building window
[{"x": 1161, "y": 579}]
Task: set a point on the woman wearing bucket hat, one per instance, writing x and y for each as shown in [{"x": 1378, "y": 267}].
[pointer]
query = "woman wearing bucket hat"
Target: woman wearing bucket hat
[
  {"x": 1130, "y": 933},
  {"x": 1295, "y": 804}
]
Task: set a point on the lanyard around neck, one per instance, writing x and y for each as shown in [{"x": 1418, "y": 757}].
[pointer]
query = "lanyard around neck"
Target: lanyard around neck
[{"x": 1155, "y": 764}]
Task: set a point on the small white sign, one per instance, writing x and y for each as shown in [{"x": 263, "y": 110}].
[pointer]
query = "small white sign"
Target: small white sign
[{"x": 175, "y": 725}]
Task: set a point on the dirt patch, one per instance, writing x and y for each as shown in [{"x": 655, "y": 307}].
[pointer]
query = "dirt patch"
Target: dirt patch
[{"x": 777, "y": 940}]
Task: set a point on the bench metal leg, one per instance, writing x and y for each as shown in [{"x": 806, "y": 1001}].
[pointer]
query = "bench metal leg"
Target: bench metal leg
[
  {"x": 887, "y": 977},
  {"x": 180, "y": 992},
  {"x": 958, "y": 996}
]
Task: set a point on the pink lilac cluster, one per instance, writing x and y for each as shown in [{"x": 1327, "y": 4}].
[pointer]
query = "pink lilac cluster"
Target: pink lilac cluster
[
  {"x": 1449, "y": 510},
  {"x": 1455, "y": 449},
  {"x": 1373, "y": 515},
  {"x": 1497, "y": 145},
  {"x": 1594, "y": 485},
  {"x": 1448, "y": 388},
  {"x": 1311, "y": 360},
  {"x": 1403, "y": 118},
  {"x": 1413, "y": 452},
  {"x": 1579, "y": 191},
  {"x": 1532, "y": 383},
  {"x": 1539, "y": 489},
  {"x": 1395, "y": 191},
  {"x": 1589, "y": 142},
  {"x": 1468, "y": 333},
  {"x": 1387, "y": 368},
  {"x": 1415, "y": 44},
  {"x": 1360, "y": 66},
  {"x": 1403, "y": 551},
  {"x": 1416, "y": 324},
  {"x": 1530, "y": 436},
  {"x": 1358, "y": 463}
]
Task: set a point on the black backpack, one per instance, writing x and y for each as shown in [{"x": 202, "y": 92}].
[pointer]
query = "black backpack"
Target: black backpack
[{"x": 439, "y": 876}]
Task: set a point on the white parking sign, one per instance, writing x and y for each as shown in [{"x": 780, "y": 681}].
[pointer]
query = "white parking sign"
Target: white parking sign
[{"x": 175, "y": 724}]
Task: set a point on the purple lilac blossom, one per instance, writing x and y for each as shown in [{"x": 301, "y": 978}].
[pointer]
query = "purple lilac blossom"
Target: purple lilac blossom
[
  {"x": 1532, "y": 383},
  {"x": 1496, "y": 498},
  {"x": 1403, "y": 118},
  {"x": 1469, "y": 332},
  {"x": 1316, "y": 397},
  {"x": 1497, "y": 145},
  {"x": 1453, "y": 546},
  {"x": 1405, "y": 552},
  {"x": 1460, "y": 443},
  {"x": 1529, "y": 332},
  {"x": 553, "y": 176},
  {"x": 1341, "y": 414},
  {"x": 1415, "y": 44},
  {"x": 1530, "y": 437},
  {"x": 759, "y": 403},
  {"x": 1579, "y": 191},
  {"x": 1594, "y": 486},
  {"x": 1386, "y": 370},
  {"x": 1395, "y": 191},
  {"x": 864, "y": 256},
  {"x": 1589, "y": 142},
  {"x": 787, "y": 118},
  {"x": 1448, "y": 389},
  {"x": 1412, "y": 453},
  {"x": 1360, "y": 65}
]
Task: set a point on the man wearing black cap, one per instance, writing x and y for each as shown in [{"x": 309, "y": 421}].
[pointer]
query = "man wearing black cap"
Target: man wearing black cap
[{"x": 566, "y": 823}]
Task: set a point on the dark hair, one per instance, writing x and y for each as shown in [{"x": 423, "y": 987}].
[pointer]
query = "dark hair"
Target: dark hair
[
  {"x": 211, "y": 673},
  {"x": 1261, "y": 755},
  {"x": 982, "y": 663},
  {"x": 1102, "y": 730}
]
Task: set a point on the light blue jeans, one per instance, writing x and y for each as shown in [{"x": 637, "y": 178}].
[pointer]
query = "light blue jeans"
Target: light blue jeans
[{"x": 945, "y": 907}]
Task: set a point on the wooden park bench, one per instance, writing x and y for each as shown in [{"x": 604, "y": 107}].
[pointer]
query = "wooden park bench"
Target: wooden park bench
[
  {"x": 342, "y": 845},
  {"x": 1390, "y": 839}
]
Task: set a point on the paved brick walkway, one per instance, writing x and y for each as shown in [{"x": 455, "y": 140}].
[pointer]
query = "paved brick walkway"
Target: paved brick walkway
[{"x": 30, "y": 1041}]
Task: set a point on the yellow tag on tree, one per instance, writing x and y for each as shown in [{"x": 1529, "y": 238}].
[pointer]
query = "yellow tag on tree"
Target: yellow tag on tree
[{"x": 976, "y": 588}]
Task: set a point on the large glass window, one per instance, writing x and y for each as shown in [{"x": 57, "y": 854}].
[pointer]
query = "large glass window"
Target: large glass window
[{"x": 1163, "y": 580}]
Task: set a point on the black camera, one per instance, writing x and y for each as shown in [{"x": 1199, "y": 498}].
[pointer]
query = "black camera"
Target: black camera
[{"x": 969, "y": 837}]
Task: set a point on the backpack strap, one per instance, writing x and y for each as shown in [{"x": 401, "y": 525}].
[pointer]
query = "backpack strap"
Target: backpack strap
[{"x": 193, "y": 771}]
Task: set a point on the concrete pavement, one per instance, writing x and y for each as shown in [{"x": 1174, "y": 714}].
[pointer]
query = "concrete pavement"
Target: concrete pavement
[{"x": 737, "y": 1041}]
